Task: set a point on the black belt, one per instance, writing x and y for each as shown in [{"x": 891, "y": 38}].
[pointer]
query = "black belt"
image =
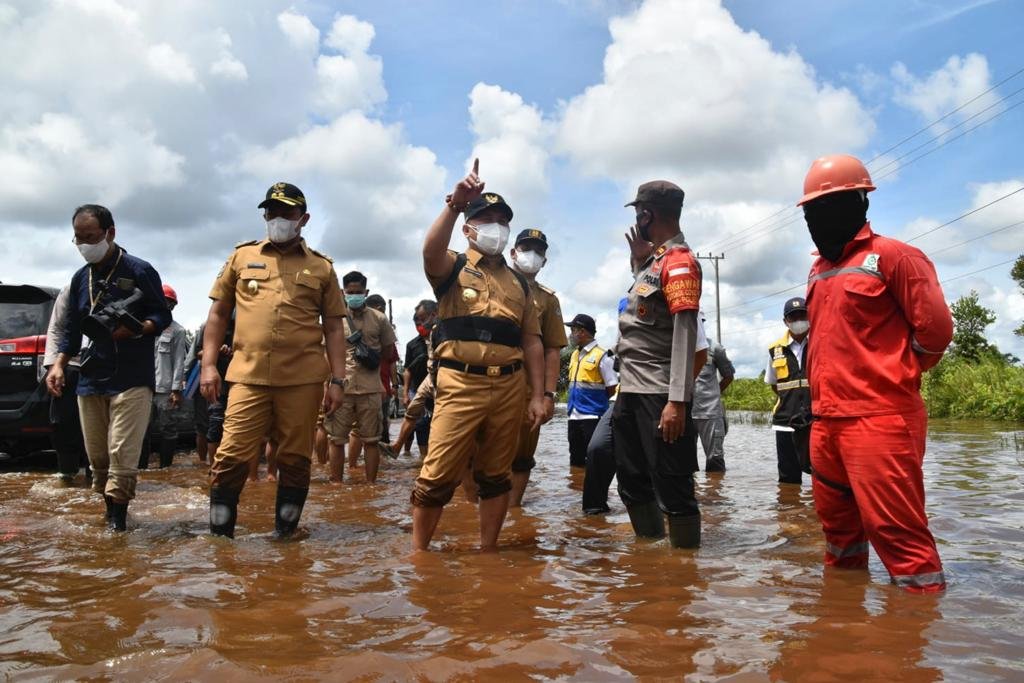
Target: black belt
[{"x": 488, "y": 370}]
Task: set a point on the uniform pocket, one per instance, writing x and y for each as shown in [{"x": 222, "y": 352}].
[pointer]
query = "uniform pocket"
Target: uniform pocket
[
  {"x": 473, "y": 293},
  {"x": 864, "y": 302},
  {"x": 308, "y": 280},
  {"x": 252, "y": 282}
]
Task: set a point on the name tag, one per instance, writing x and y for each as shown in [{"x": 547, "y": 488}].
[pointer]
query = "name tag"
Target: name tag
[{"x": 256, "y": 265}]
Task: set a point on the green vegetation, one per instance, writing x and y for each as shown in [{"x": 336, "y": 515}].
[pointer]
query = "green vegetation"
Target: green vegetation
[
  {"x": 749, "y": 394},
  {"x": 989, "y": 388}
]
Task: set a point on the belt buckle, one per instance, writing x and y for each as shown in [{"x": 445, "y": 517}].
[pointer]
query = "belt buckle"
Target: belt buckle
[{"x": 493, "y": 370}]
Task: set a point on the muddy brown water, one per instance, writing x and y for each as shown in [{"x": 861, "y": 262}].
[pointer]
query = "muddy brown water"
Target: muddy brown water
[{"x": 568, "y": 597}]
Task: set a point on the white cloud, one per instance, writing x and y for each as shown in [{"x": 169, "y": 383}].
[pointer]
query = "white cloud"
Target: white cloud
[
  {"x": 689, "y": 95},
  {"x": 959, "y": 80},
  {"x": 169, "y": 64},
  {"x": 349, "y": 35},
  {"x": 512, "y": 140},
  {"x": 227, "y": 66},
  {"x": 299, "y": 30}
]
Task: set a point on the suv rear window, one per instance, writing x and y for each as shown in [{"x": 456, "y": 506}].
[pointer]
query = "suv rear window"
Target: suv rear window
[{"x": 24, "y": 311}]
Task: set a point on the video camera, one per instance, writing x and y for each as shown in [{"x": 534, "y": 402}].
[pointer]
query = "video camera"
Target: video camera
[{"x": 99, "y": 359}]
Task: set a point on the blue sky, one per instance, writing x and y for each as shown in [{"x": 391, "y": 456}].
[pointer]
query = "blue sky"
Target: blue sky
[{"x": 178, "y": 118}]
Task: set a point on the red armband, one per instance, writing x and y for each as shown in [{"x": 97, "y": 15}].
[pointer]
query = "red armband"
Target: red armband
[{"x": 681, "y": 281}]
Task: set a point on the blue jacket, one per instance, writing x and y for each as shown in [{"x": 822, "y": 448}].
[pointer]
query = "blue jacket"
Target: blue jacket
[{"x": 134, "y": 357}]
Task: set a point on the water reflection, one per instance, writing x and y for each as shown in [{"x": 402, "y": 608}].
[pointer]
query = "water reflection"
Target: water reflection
[{"x": 569, "y": 596}]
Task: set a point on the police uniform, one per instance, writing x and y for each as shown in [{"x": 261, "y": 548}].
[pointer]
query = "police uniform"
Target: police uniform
[
  {"x": 484, "y": 309},
  {"x": 708, "y": 412},
  {"x": 278, "y": 367},
  {"x": 791, "y": 415},
  {"x": 658, "y": 323},
  {"x": 552, "y": 334}
]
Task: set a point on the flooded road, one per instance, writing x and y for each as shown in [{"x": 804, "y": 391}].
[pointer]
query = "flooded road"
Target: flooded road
[{"x": 569, "y": 597}]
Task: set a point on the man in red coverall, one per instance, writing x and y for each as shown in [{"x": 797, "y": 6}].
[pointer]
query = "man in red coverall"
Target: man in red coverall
[{"x": 879, "y": 320}]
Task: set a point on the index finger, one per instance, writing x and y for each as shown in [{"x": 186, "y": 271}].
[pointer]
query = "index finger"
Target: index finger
[{"x": 476, "y": 166}]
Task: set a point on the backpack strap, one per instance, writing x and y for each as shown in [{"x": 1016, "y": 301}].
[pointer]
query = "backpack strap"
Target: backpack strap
[{"x": 442, "y": 289}]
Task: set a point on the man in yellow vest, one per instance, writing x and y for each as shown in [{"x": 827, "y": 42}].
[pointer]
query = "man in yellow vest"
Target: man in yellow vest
[
  {"x": 592, "y": 381},
  {"x": 786, "y": 373}
]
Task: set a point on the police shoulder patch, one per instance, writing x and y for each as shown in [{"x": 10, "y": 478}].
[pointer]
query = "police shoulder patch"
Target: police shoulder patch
[
  {"x": 246, "y": 244},
  {"x": 323, "y": 256}
]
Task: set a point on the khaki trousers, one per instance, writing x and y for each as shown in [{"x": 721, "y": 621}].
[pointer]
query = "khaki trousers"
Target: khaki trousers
[
  {"x": 287, "y": 414},
  {"x": 113, "y": 427}
]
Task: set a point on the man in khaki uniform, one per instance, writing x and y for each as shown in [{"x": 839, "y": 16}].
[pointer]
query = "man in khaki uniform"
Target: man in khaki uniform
[
  {"x": 280, "y": 290},
  {"x": 529, "y": 255},
  {"x": 487, "y": 328},
  {"x": 362, "y": 404}
]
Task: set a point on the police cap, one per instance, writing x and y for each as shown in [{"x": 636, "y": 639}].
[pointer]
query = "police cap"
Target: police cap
[
  {"x": 531, "y": 235},
  {"x": 286, "y": 193},
  {"x": 488, "y": 200},
  {"x": 659, "y": 193}
]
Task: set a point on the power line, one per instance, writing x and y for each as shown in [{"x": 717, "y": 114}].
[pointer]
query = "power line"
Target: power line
[
  {"x": 946, "y": 115},
  {"x": 975, "y": 239},
  {"x": 980, "y": 270},
  {"x": 965, "y": 215}
]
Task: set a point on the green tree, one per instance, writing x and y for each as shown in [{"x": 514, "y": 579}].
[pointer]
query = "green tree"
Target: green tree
[
  {"x": 970, "y": 319},
  {"x": 1017, "y": 273}
]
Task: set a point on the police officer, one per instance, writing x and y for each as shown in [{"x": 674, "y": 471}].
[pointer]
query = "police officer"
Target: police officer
[
  {"x": 658, "y": 338},
  {"x": 170, "y": 381},
  {"x": 879, "y": 319},
  {"x": 529, "y": 255},
  {"x": 280, "y": 290},
  {"x": 487, "y": 329},
  {"x": 115, "y": 387},
  {"x": 708, "y": 413},
  {"x": 786, "y": 373}
]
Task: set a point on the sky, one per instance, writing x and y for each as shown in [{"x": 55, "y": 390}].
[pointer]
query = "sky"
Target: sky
[{"x": 178, "y": 116}]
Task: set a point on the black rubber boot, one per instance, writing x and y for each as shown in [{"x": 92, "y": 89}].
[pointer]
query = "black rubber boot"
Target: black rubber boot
[
  {"x": 118, "y": 520},
  {"x": 715, "y": 464},
  {"x": 288, "y": 510},
  {"x": 223, "y": 512},
  {"x": 167, "y": 452},
  {"x": 110, "y": 508},
  {"x": 684, "y": 532},
  {"x": 647, "y": 520}
]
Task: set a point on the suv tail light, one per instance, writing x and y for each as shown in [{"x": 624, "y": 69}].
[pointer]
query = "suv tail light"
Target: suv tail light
[{"x": 35, "y": 345}]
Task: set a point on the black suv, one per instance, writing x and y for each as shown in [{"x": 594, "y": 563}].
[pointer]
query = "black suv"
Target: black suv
[{"x": 25, "y": 424}]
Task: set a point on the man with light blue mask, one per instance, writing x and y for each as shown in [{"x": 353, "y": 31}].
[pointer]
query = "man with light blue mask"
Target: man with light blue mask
[
  {"x": 369, "y": 334},
  {"x": 529, "y": 255}
]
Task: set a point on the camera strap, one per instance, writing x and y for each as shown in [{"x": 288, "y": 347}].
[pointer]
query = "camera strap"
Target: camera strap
[{"x": 106, "y": 281}]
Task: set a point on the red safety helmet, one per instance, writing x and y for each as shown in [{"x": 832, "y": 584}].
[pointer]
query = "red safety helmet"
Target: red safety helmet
[
  {"x": 169, "y": 293},
  {"x": 835, "y": 173}
]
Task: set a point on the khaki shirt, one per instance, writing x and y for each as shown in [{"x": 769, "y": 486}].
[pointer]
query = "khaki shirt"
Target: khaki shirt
[
  {"x": 549, "y": 316},
  {"x": 486, "y": 288},
  {"x": 280, "y": 298},
  {"x": 377, "y": 335}
]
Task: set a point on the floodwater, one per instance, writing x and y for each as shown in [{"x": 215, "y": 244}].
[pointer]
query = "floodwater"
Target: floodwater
[{"x": 569, "y": 597}]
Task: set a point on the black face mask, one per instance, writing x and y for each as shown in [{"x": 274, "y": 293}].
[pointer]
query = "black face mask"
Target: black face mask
[
  {"x": 834, "y": 220},
  {"x": 643, "y": 224}
]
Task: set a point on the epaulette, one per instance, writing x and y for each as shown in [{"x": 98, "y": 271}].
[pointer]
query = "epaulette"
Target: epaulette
[
  {"x": 246, "y": 244},
  {"x": 323, "y": 256},
  {"x": 545, "y": 288}
]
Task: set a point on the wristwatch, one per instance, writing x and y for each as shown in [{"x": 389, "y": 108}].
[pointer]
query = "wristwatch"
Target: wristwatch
[
  {"x": 549, "y": 394},
  {"x": 341, "y": 382}
]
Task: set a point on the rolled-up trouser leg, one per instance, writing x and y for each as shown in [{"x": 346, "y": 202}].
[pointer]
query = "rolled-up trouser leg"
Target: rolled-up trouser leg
[
  {"x": 94, "y": 413},
  {"x": 129, "y": 416}
]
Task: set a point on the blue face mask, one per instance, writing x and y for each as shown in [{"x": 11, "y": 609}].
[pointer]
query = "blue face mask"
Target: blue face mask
[{"x": 355, "y": 300}]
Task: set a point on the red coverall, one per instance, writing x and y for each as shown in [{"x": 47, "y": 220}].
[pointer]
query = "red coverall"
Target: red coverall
[{"x": 879, "y": 319}]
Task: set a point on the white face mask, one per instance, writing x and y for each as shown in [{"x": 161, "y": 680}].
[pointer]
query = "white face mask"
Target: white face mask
[
  {"x": 94, "y": 253},
  {"x": 491, "y": 238},
  {"x": 529, "y": 262},
  {"x": 799, "y": 326},
  {"x": 282, "y": 230}
]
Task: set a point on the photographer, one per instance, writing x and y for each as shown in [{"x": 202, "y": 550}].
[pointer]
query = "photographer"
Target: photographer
[
  {"x": 369, "y": 333},
  {"x": 118, "y": 301}
]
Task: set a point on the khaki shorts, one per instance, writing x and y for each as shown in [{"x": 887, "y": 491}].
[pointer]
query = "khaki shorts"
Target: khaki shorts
[{"x": 361, "y": 411}]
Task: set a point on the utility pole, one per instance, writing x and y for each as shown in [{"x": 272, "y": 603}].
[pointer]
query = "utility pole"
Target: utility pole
[{"x": 718, "y": 302}]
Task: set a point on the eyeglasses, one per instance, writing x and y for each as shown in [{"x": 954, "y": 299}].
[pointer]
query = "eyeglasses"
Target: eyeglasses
[{"x": 76, "y": 241}]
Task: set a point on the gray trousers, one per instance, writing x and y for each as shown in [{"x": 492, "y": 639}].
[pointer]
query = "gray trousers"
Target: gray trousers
[{"x": 712, "y": 438}]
